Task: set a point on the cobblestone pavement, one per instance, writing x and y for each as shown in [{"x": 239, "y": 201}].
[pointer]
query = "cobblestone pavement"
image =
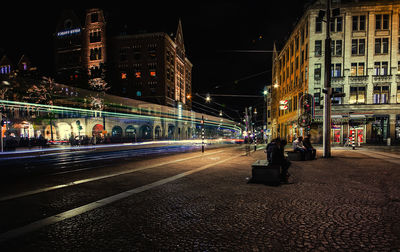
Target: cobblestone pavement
[{"x": 350, "y": 202}]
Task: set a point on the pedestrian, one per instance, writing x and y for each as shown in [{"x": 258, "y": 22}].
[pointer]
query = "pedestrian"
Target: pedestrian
[
  {"x": 298, "y": 146},
  {"x": 310, "y": 149},
  {"x": 278, "y": 157}
]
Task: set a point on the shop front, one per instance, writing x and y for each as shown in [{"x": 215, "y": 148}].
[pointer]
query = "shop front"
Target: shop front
[{"x": 380, "y": 129}]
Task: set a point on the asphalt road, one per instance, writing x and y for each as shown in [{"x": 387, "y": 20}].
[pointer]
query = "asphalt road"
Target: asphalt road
[{"x": 202, "y": 202}]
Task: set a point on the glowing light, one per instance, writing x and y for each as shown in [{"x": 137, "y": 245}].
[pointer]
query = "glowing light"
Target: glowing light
[{"x": 68, "y": 32}]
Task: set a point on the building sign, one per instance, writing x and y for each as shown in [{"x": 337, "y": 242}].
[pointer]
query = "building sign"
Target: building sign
[
  {"x": 68, "y": 32},
  {"x": 283, "y": 105}
]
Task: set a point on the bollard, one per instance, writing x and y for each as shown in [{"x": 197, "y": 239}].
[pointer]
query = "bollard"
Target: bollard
[{"x": 353, "y": 138}]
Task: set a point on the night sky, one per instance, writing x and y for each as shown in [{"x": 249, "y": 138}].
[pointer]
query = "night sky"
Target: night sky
[{"x": 212, "y": 31}]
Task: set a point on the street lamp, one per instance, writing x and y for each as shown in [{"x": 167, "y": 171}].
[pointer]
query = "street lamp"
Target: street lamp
[{"x": 208, "y": 98}]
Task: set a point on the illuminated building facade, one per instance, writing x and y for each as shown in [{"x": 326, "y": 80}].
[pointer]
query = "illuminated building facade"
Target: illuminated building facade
[
  {"x": 365, "y": 65},
  {"x": 68, "y": 53},
  {"x": 150, "y": 66}
]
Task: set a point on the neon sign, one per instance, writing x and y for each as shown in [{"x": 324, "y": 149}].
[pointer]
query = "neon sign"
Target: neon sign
[{"x": 68, "y": 32}]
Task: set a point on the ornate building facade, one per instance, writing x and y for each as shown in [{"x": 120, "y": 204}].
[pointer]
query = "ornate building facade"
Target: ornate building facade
[
  {"x": 147, "y": 66},
  {"x": 365, "y": 65}
]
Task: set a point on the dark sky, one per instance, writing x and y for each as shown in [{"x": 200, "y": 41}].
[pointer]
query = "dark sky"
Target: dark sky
[{"x": 212, "y": 32}]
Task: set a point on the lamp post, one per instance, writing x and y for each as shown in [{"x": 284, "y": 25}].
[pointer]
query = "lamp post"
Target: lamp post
[
  {"x": 327, "y": 87},
  {"x": 265, "y": 126}
]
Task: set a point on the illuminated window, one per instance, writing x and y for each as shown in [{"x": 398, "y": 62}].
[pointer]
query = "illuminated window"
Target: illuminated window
[
  {"x": 381, "y": 94},
  {"x": 357, "y": 69},
  {"x": 153, "y": 73},
  {"x": 123, "y": 76},
  {"x": 398, "y": 94},
  {"x": 357, "y": 95},
  {"x": 381, "y": 68},
  {"x": 138, "y": 74}
]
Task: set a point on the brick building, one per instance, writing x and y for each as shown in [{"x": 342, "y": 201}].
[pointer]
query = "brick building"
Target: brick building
[{"x": 147, "y": 66}]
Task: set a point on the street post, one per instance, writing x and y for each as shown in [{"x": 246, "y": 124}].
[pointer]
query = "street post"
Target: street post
[{"x": 327, "y": 87}]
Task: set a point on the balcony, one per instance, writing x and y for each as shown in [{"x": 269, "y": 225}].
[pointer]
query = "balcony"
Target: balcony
[
  {"x": 382, "y": 78},
  {"x": 337, "y": 79},
  {"x": 363, "y": 78}
]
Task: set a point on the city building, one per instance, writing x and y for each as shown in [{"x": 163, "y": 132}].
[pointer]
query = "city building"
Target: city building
[
  {"x": 11, "y": 68},
  {"x": 152, "y": 67},
  {"x": 148, "y": 66},
  {"x": 365, "y": 66}
]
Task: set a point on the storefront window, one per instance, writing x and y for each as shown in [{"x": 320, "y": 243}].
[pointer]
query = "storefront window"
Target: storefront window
[
  {"x": 397, "y": 129},
  {"x": 380, "y": 129}
]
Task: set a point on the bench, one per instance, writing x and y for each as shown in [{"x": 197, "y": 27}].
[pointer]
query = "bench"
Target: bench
[
  {"x": 263, "y": 172},
  {"x": 295, "y": 156}
]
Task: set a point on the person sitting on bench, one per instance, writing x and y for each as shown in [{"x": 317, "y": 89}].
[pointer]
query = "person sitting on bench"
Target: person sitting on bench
[
  {"x": 270, "y": 148},
  {"x": 298, "y": 146},
  {"x": 278, "y": 157},
  {"x": 309, "y": 147}
]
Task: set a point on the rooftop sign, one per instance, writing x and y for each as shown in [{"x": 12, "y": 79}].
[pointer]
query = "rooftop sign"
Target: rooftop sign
[{"x": 68, "y": 32}]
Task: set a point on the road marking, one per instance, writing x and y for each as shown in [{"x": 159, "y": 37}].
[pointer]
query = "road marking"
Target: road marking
[
  {"x": 100, "y": 203},
  {"x": 77, "y": 182}
]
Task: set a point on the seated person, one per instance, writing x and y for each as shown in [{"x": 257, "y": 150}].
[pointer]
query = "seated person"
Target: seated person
[
  {"x": 278, "y": 157},
  {"x": 309, "y": 147},
  {"x": 270, "y": 148},
  {"x": 298, "y": 146}
]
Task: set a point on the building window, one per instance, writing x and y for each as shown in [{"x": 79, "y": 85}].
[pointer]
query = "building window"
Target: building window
[
  {"x": 317, "y": 72},
  {"x": 94, "y": 17},
  {"x": 357, "y": 46},
  {"x": 337, "y": 100},
  {"x": 359, "y": 23},
  {"x": 381, "y": 68},
  {"x": 381, "y": 94},
  {"x": 382, "y": 22},
  {"x": 318, "y": 25},
  {"x": 123, "y": 54},
  {"x": 336, "y": 70},
  {"x": 357, "y": 69},
  {"x": 123, "y": 76},
  {"x": 357, "y": 95},
  {"x": 95, "y": 36},
  {"x": 317, "y": 96},
  {"x": 337, "y": 24},
  {"x": 318, "y": 48},
  {"x": 138, "y": 74},
  {"x": 398, "y": 45},
  {"x": 398, "y": 94},
  {"x": 381, "y": 45},
  {"x": 336, "y": 47},
  {"x": 153, "y": 73},
  {"x": 95, "y": 54}
]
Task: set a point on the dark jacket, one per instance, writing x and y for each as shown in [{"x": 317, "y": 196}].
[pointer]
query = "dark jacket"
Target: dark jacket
[
  {"x": 307, "y": 143},
  {"x": 277, "y": 155}
]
